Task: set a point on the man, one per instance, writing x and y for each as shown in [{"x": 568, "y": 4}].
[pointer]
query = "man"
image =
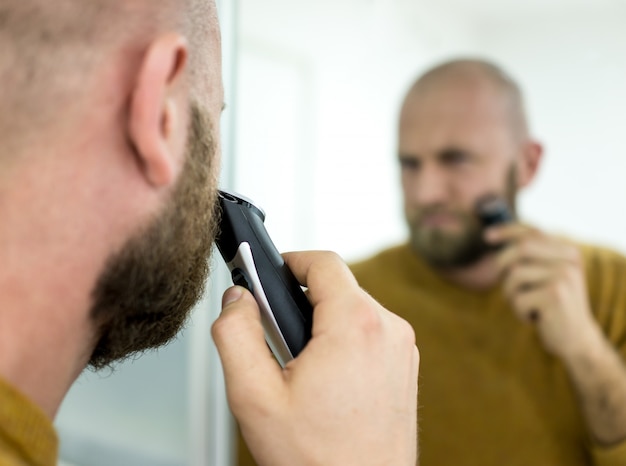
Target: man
[
  {"x": 109, "y": 150},
  {"x": 522, "y": 346}
]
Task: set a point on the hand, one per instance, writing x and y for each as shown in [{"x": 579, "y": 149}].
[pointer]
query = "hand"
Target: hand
[
  {"x": 349, "y": 398},
  {"x": 545, "y": 283}
]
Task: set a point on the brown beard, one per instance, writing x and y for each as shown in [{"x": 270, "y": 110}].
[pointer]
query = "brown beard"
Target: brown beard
[
  {"x": 452, "y": 250},
  {"x": 147, "y": 290}
]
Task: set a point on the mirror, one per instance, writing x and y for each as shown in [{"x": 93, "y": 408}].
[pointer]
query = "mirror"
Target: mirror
[{"x": 319, "y": 89}]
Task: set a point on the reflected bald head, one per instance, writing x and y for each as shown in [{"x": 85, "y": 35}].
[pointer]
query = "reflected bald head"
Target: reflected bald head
[
  {"x": 476, "y": 75},
  {"x": 50, "y": 48}
]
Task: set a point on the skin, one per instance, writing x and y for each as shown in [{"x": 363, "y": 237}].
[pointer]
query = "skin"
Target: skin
[
  {"x": 457, "y": 143},
  {"x": 92, "y": 182}
]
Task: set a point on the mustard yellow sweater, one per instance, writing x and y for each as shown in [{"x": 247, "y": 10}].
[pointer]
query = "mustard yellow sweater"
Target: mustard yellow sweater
[
  {"x": 27, "y": 437},
  {"x": 489, "y": 395}
]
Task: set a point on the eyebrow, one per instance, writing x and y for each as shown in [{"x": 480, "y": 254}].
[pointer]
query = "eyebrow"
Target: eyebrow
[
  {"x": 224, "y": 106},
  {"x": 453, "y": 151},
  {"x": 442, "y": 154}
]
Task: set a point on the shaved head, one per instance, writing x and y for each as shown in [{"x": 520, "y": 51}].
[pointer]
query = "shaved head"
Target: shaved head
[
  {"x": 117, "y": 102},
  {"x": 51, "y": 48},
  {"x": 475, "y": 75},
  {"x": 462, "y": 136}
]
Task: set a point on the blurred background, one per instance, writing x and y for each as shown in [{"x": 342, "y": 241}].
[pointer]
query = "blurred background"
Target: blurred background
[{"x": 313, "y": 93}]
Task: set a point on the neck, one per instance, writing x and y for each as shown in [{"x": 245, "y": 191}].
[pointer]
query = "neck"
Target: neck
[
  {"x": 46, "y": 336},
  {"x": 481, "y": 275},
  {"x": 41, "y": 364}
]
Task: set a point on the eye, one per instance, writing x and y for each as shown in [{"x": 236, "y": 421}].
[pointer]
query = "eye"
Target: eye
[
  {"x": 454, "y": 156},
  {"x": 409, "y": 163}
]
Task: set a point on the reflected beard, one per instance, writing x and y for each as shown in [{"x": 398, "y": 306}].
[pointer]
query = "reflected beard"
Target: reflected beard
[
  {"x": 148, "y": 289},
  {"x": 456, "y": 250},
  {"x": 446, "y": 250}
]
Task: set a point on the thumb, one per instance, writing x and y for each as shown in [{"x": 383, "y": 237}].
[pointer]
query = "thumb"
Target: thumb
[{"x": 251, "y": 372}]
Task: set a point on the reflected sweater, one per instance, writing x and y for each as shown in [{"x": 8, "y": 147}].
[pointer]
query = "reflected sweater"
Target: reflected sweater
[
  {"x": 27, "y": 436},
  {"x": 489, "y": 394}
]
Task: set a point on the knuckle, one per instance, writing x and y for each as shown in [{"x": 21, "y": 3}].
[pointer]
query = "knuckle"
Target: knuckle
[
  {"x": 403, "y": 331},
  {"x": 406, "y": 333},
  {"x": 224, "y": 324},
  {"x": 416, "y": 355},
  {"x": 367, "y": 315},
  {"x": 219, "y": 327},
  {"x": 369, "y": 319},
  {"x": 330, "y": 256}
]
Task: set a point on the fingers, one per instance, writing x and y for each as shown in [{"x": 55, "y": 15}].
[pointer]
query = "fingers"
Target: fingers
[
  {"x": 333, "y": 291},
  {"x": 526, "y": 244},
  {"x": 536, "y": 267},
  {"x": 529, "y": 305},
  {"x": 247, "y": 361},
  {"x": 535, "y": 289},
  {"x": 525, "y": 277},
  {"x": 508, "y": 232},
  {"x": 324, "y": 273}
]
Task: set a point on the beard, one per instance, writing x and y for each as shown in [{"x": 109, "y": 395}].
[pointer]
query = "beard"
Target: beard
[
  {"x": 147, "y": 290},
  {"x": 445, "y": 250}
]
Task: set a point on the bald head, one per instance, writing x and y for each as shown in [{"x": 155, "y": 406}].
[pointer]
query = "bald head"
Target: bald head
[
  {"x": 462, "y": 137},
  {"x": 51, "y": 47},
  {"x": 477, "y": 77}
]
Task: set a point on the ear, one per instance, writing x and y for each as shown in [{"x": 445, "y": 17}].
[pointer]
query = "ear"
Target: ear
[
  {"x": 528, "y": 163},
  {"x": 158, "y": 110}
]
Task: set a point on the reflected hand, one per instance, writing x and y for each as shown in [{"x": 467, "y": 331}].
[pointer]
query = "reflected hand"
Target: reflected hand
[
  {"x": 545, "y": 283},
  {"x": 350, "y": 397}
]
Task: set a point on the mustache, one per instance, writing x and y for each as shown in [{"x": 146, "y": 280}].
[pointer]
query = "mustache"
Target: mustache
[{"x": 442, "y": 210}]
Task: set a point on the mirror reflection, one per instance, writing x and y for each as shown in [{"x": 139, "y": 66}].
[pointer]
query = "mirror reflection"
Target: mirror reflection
[{"x": 391, "y": 122}]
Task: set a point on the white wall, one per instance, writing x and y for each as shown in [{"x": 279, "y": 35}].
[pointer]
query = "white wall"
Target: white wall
[
  {"x": 573, "y": 67},
  {"x": 320, "y": 84}
]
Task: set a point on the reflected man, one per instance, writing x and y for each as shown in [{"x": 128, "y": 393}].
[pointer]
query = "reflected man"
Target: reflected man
[{"x": 522, "y": 346}]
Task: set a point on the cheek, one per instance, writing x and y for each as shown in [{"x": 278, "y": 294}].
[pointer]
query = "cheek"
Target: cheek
[
  {"x": 407, "y": 181},
  {"x": 471, "y": 187}
]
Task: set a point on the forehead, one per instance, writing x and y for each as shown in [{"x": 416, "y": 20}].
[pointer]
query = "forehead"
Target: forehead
[{"x": 449, "y": 115}]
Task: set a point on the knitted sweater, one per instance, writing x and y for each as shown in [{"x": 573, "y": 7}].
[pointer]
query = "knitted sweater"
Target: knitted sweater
[
  {"x": 489, "y": 394},
  {"x": 27, "y": 436}
]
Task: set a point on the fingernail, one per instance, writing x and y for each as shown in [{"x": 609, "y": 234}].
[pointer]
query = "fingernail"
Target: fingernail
[{"x": 231, "y": 295}]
